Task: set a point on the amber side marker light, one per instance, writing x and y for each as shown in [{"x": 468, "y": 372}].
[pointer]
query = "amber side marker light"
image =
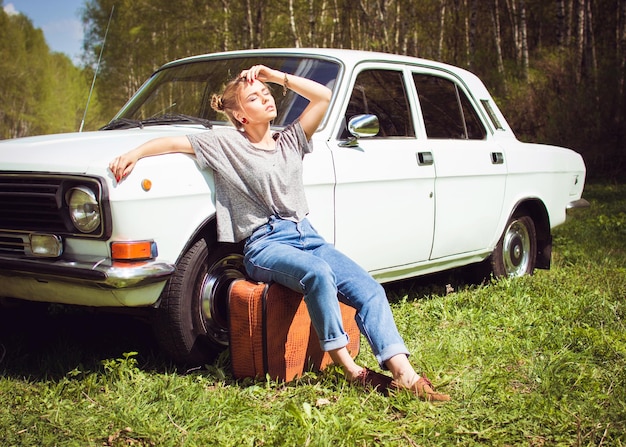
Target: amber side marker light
[
  {"x": 146, "y": 184},
  {"x": 133, "y": 250}
]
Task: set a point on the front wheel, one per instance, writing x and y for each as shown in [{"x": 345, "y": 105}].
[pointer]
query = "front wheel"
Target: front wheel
[
  {"x": 191, "y": 322},
  {"x": 516, "y": 252}
]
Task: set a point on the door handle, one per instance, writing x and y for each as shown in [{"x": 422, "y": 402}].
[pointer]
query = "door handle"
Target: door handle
[
  {"x": 497, "y": 158},
  {"x": 425, "y": 158}
]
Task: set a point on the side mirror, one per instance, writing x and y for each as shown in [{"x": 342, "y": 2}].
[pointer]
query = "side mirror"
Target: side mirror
[{"x": 361, "y": 126}]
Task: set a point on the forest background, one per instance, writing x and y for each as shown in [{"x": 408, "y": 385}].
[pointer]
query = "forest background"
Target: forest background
[{"x": 557, "y": 68}]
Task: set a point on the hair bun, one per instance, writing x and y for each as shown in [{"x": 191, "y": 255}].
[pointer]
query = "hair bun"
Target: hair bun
[{"x": 217, "y": 103}]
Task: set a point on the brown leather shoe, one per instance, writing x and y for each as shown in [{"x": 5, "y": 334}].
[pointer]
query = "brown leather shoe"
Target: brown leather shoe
[
  {"x": 373, "y": 379},
  {"x": 423, "y": 389}
]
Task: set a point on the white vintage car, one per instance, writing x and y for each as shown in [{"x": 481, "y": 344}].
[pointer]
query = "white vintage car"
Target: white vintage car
[{"x": 415, "y": 170}]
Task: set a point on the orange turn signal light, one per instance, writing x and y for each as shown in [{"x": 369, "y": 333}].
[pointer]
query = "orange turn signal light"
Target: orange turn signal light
[
  {"x": 146, "y": 184},
  {"x": 133, "y": 250}
]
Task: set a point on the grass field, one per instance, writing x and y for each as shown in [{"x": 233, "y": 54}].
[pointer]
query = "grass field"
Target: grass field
[{"x": 534, "y": 361}]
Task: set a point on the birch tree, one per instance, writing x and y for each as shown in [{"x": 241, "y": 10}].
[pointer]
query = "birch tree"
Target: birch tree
[{"x": 495, "y": 14}]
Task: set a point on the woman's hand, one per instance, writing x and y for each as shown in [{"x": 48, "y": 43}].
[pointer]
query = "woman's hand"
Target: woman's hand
[
  {"x": 262, "y": 73},
  {"x": 122, "y": 165}
]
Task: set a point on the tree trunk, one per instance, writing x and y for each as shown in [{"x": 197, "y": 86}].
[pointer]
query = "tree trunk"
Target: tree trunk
[
  {"x": 254, "y": 21},
  {"x": 592, "y": 50},
  {"x": 226, "y": 9},
  {"x": 498, "y": 38},
  {"x": 249, "y": 24},
  {"x": 466, "y": 27},
  {"x": 580, "y": 39},
  {"x": 560, "y": 23},
  {"x": 570, "y": 22},
  {"x": 312, "y": 35},
  {"x": 621, "y": 56},
  {"x": 396, "y": 35},
  {"x": 511, "y": 7},
  {"x": 292, "y": 24},
  {"x": 442, "y": 23},
  {"x": 381, "y": 25},
  {"x": 524, "y": 39},
  {"x": 473, "y": 19}
]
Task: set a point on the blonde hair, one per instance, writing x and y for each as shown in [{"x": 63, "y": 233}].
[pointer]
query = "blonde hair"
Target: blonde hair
[{"x": 228, "y": 101}]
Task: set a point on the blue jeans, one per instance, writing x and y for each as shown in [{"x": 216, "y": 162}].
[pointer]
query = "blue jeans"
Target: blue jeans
[{"x": 295, "y": 255}]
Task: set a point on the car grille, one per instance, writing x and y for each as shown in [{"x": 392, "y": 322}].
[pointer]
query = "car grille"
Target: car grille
[
  {"x": 31, "y": 203},
  {"x": 13, "y": 245}
]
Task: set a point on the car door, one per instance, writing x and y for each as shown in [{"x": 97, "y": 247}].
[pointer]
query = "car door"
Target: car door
[
  {"x": 470, "y": 167},
  {"x": 384, "y": 206}
]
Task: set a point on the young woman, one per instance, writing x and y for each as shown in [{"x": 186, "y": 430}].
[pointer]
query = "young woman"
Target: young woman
[{"x": 260, "y": 199}]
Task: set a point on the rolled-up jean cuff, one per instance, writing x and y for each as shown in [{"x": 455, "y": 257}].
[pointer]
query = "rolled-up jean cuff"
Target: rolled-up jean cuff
[
  {"x": 335, "y": 343},
  {"x": 389, "y": 352}
]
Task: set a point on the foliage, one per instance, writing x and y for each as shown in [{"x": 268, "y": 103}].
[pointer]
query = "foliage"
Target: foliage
[
  {"x": 535, "y": 361},
  {"x": 40, "y": 92}
]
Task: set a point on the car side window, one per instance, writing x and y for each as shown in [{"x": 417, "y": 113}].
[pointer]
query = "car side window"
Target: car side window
[
  {"x": 382, "y": 93},
  {"x": 447, "y": 112}
]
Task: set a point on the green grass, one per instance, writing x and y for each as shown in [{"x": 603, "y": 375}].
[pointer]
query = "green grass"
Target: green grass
[{"x": 532, "y": 361}]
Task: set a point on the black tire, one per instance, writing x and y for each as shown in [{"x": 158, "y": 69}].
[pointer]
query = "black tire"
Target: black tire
[
  {"x": 516, "y": 252},
  {"x": 191, "y": 322}
]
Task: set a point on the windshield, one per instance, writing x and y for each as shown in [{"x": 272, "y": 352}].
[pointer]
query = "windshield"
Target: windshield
[{"x": 186, "y": 89}]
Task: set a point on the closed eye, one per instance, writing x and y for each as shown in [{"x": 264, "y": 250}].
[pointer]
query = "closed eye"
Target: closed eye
[{"x": 254, "y": 96}]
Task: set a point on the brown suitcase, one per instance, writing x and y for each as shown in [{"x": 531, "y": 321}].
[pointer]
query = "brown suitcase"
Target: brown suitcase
[{"x": 271, "y": 332}]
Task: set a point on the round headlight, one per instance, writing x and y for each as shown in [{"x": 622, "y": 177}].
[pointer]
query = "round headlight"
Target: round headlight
[{"x": 84, "y": 209}]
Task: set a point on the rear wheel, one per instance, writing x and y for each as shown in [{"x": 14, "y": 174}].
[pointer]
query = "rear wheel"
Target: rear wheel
[
  {"x": 516, "y": 252},
  {"x": 191, "y": 322}
]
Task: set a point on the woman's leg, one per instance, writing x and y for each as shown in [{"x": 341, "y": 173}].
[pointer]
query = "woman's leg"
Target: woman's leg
[
  {"x": 295, "y": 256},
  {"x": 358, "y": 289},
  {"x": 280, "y": 254},
  {"x": 376, "y": 322}
]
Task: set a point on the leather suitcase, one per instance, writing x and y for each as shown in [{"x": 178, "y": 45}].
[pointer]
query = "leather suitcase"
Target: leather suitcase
[{"x": 271, "y": 332}]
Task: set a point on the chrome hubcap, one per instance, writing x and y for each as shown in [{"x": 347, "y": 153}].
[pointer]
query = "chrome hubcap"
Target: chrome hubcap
[
  {"x": 516, "y": 249},
  {"x": 214, "y": 296}
]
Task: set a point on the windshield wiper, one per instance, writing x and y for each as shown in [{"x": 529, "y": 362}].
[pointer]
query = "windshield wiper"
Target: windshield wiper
[
  {"x": 122, "y": 123},
  {"x": 178, "y": 118},
  {"x": 125, "y": 123}
]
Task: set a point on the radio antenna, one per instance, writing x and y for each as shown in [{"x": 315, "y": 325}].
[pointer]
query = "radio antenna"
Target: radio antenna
[{"x": 93, "y": 82}]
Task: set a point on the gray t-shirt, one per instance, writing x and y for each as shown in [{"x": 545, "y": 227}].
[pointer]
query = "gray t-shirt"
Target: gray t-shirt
[{"x": 252, "y": 184}]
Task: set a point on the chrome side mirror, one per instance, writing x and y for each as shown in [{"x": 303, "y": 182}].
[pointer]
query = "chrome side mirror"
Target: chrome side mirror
[{"x": 361, "y": 126}]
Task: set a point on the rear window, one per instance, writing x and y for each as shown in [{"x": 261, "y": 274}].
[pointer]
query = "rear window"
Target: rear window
[{"x": 447, "y": 112}]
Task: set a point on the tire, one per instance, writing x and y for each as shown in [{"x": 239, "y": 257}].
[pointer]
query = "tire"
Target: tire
[
  {"x": 516, "y": 252},
  {"x": 191, "y": 322}
]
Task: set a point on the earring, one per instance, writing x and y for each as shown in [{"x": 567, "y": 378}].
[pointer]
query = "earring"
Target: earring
[{"x": 244, "y": 121}]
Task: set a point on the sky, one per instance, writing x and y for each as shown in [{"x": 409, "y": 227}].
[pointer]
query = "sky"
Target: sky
[{"x": 58, "y": 19}]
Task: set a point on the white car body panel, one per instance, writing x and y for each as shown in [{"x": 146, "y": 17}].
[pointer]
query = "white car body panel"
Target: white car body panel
[
  {"x": 378, "y": 186},
  {"x": 469, "y": 192}
]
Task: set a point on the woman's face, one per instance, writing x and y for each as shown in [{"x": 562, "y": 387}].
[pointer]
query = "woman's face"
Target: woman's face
[{"x": 257, "y": 103}]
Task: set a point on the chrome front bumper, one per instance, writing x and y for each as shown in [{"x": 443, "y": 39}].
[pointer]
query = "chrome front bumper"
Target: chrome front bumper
[{"x": 102, "y": 273}]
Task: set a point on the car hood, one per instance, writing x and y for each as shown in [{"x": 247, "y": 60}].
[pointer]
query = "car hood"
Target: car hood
[{"x": 78, "y": 153}]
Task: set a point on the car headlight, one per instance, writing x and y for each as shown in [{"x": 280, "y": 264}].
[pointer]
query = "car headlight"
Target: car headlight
[{"x": 84, "y": 209}]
